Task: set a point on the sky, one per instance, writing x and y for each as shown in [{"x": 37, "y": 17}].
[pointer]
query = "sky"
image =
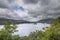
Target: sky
[{"x": 30, "y": 10}]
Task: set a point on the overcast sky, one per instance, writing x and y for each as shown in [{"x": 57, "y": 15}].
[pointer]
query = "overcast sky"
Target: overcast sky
[{"x": 31, "y": 10}]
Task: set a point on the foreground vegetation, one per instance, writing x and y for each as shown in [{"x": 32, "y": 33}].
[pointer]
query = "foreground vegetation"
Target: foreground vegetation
[{"x": 50, "y": 33}]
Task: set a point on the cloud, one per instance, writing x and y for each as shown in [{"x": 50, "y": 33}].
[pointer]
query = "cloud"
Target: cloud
[
  {"x": 30, "y": 1},
  {"x": 16, "y": 15},
  {"x": 6, "y": 3},
  {"x": 44, "y": 9},
  {"x": 7, "y": 9},
  {"x": 3, "y": 4},
  {"x": 39, "y": 9}
]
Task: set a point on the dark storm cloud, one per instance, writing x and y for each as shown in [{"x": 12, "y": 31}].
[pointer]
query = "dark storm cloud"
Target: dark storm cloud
[
  {"x": 3, "y": 4},
  {"x": 45, "y": 2},
  {"x": 30, "y": 1},
  {"x": 10, "y": 1},
  {"x": 6, "y": 3},
  {"x": 47, "y": 9}
]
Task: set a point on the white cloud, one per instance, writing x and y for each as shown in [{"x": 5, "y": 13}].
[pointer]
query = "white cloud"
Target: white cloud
[
  {"x": 21, "y": 13},
  {"x": 6, "y": 13}
]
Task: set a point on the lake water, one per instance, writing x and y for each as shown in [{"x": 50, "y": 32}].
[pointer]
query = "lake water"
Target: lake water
[{"x": 26, "y": 29}]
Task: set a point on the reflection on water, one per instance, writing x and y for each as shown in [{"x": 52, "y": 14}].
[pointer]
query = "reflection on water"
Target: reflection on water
[{"x": 25, "y": 29}]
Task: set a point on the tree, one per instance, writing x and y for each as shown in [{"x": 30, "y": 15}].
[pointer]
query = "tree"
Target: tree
[
  {"x": 6, "y": 33},
  {"x": 53, "y": 32},
  {"x": 36, "y": 35}
]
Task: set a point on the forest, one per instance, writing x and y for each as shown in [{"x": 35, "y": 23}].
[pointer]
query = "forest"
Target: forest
[{"x": 49, "y": 33}]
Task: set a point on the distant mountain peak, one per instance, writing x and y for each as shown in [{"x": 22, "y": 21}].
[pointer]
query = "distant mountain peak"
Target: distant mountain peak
[{"x": 48, "y": 20}]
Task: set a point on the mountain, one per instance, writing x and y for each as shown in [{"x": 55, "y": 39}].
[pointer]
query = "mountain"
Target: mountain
[
  {"x": 48, "y": 20},
  {"x": 2, "y": 20}
]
